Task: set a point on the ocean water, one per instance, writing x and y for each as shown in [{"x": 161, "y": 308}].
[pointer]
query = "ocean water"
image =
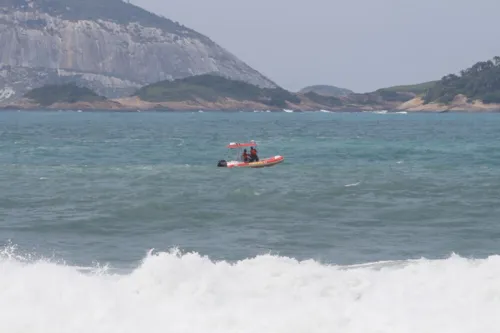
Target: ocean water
[{"x": 121, "y": 222}]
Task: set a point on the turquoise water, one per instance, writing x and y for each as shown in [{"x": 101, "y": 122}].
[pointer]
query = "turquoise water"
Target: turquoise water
[
  {"x": 122, "y": 223},
  {"x": 354, "y": 187}
]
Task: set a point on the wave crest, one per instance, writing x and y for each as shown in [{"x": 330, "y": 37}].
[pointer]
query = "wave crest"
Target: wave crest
[{"x": 187, "y": 292}]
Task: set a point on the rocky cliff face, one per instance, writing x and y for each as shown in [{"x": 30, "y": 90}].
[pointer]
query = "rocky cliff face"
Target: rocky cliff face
[{"x": 107, "y": 45}]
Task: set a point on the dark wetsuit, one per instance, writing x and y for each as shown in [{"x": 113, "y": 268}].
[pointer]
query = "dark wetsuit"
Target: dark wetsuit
[{"x": 253, "y": 155}]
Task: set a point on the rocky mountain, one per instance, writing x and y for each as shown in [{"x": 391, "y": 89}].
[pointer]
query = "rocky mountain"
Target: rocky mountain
[{"x": 109, "y": 46}]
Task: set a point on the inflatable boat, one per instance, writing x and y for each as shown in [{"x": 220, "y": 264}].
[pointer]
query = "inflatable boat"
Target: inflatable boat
[{"x": 239, "y": 163}]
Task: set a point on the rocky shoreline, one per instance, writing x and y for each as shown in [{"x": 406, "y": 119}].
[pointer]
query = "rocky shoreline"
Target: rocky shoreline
[
  {"x": 134, "y": 104},
  {"x": 62, "y": 97},
  {"x": 459, "y": 104},
  {"x": 225, "y": 104}
]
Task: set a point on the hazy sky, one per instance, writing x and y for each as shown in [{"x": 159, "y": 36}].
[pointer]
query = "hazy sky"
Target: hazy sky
[{"x": 362, "y": 45}]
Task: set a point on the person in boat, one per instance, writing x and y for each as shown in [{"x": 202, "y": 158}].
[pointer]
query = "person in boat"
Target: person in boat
[
  {"x": 253, "y": 155},
  {"x": 245, "y": 157}
]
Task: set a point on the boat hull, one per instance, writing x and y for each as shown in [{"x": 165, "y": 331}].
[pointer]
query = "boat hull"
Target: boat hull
[{"x": 264, "y": 163}]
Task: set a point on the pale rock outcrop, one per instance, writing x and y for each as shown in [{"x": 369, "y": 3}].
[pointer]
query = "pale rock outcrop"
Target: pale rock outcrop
[{"x": 109, "y": 46}]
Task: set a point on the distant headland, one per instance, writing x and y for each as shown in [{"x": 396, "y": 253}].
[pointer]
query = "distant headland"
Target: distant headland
[
  {"x": 200, "y": 92},
  {"x": 474, "y": 89}
]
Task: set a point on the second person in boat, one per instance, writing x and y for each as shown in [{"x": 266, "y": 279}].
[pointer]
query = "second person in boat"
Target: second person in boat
[
  {"x": 253, "y": 155},
  {"x": 245, "y": 157}
]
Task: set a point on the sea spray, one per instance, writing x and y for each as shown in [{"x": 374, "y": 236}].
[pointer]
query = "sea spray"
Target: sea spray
[{"x": 187, "y": 292}]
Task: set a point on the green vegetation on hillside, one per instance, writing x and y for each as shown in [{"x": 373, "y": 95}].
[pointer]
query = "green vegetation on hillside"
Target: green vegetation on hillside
[
  {"x": 63, "y": 93},
  {"x": 479, "y": 82},
  {"x": 416, "y": 89},
  {"x": 395, "y": 96},
  {"x": 211, "y": 88},
  {"x": 324, "y": 100},
  {"x": 326, "y": 90},
  {"x": 378, "y": 98}
]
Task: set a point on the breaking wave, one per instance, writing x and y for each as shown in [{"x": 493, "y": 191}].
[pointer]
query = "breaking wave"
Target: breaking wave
[{"x": 187, "y": 292}]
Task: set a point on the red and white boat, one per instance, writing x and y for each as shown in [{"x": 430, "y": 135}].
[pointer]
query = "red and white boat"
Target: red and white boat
[{"x": 239, "y": 163}]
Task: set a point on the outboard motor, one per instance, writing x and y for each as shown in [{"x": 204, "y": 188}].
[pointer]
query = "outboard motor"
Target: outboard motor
[{"x": 222, "y": 164}]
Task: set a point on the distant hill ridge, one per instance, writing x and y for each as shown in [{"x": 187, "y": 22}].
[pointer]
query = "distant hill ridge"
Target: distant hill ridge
[
  {"x": 64, "y": 93},
  {"x": 207, "y": 91},
  {"x": 326, "y": 90},
  {"x": 476, "y": 89},
  {"x": 416, "y": 89},
  {"x": 213, "y": 87}
]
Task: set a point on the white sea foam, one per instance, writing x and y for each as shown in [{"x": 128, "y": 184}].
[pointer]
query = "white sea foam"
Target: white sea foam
[
  {"x": 188, "y": 293},
  {"x": 181, "y": 141},
  {"x": 386, "y": 112}
]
